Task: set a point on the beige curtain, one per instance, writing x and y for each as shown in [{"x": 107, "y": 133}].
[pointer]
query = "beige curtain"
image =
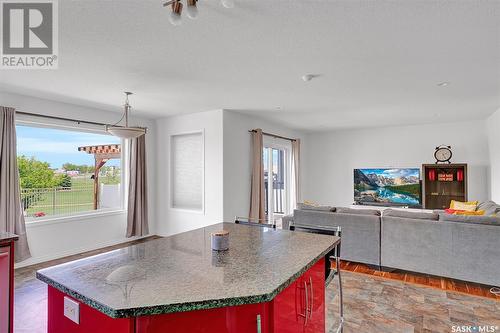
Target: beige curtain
[
  {"x": 11, "y": 212},
  {"x": 257, "y": 208},
  {"x": 295, "y": 173},
  {"x": 137, "y": 213}
]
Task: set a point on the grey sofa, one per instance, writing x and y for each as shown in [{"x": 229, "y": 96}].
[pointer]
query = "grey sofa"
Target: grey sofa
[
  {"x": 360, "y": 232},
  {"x": 460, "y": 247}
]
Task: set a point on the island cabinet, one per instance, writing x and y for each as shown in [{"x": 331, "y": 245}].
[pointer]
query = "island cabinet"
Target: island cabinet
[
  {"x": 299, "y": 308},
  {"x": 268, "y": 281},
  {"x": 6, "y": 281}
]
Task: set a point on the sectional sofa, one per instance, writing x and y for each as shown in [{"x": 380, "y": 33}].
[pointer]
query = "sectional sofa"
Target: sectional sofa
[{"x": 460, "y": 247}]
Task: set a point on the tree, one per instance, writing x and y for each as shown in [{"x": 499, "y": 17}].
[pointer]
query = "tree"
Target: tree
[
  {"x": 34, "y": 173},
  {"x": 63, "y": 181}
]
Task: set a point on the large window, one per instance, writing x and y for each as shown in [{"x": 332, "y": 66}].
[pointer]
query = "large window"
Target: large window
[{"x": 68, "y": 172}]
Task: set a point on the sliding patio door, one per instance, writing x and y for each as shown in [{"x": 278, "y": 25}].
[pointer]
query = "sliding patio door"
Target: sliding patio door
[{"x": 277, "y": 172}]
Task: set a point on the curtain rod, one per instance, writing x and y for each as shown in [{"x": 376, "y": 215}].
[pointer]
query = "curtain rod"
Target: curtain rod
[
  {"x": 274, "y": 135},
  {"x": 61, "y": 118}
]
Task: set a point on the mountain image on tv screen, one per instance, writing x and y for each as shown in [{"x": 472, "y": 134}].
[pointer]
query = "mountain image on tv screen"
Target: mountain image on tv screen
[{"x": 395, "y": 187}]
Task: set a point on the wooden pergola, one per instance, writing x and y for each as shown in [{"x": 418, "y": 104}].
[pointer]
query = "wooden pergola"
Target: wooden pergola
[{"x": 102, "y": 154}]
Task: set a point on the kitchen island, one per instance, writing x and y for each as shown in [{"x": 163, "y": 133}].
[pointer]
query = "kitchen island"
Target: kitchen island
[{"x": 268, "y": 281}]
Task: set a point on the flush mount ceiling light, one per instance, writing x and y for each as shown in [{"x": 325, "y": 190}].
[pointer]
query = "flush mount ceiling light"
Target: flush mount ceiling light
[
  {"x": 192, "y": 9},
  {"x": 125, "y": 132},
  {"x": 309, "y": 77},
  {"x": 443, "y": 84}
]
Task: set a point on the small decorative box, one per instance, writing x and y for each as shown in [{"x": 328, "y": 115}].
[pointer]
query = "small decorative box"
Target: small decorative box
[{"x": 220, "y": 240}]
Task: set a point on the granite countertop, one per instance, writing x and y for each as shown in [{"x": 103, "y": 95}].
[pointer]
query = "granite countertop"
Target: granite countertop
[
  {"x": 182, "y": 273},
  {"x": 7, "y": 237}
]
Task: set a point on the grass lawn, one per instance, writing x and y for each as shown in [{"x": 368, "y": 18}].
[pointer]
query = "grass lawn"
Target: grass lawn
[{"x": 79, "y": 198}]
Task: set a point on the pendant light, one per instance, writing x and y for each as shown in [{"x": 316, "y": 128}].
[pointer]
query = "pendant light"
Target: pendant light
[
  {"x": 125, "y": 132},
  {"x": 192, "y": 10}
]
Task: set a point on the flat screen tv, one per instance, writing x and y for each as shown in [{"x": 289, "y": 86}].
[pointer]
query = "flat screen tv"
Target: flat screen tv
[{"x": 387, "y": 187}]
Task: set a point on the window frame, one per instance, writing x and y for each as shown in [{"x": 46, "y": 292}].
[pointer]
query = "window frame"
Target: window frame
[
  {"x": 64, "y": 218},
  {"x": 279, "y": 144},
  {"x": 171, "y": 173}
]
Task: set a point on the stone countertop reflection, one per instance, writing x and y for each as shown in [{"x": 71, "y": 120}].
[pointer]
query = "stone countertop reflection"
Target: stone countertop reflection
[
  {"x": 7, "y": 237},
  {"x": 182, "y": 273}
]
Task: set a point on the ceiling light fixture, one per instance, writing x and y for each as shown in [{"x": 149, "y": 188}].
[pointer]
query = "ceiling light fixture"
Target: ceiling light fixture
[
  {"x": 192, "y": 9},
  {"x": 125, "y": 132},
  {"x": 308, "y": 77},
  {"x": 175, "y": 16},
  {"x": 227, "y": 3},
  {"x": 443, "y": 84}
]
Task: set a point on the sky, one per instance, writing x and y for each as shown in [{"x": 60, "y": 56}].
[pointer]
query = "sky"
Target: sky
[
  {"x": 394, "y": 173},
  {"x": 57, "y": 146}
]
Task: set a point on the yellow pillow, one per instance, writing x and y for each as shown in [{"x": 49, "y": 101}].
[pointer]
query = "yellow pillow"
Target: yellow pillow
[
  {"x": 311, "y": 203},
  {"x": 469, "y": 206},
  {"x": 475, "y": 213}
]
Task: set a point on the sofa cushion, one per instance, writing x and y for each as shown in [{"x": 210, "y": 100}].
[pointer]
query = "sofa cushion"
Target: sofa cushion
[
  {"x": 494, "y": 220},
  {"x": 352, "y": 211},
  {"x": 467, "y": 206},
  {"x": 411, "y": 215},
  {"x": 305, "y": 206},
  {"x": 489, "y": 207}
]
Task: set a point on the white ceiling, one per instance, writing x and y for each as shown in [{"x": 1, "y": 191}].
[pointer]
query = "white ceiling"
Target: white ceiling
[{"x": 379, "y": 61}]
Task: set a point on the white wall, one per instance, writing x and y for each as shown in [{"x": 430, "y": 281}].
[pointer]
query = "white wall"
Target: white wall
[
  {"x": 64, "y": 237},
  {"x": 493, "y": 124},
  {"x": 237, "y": 159},
  {"x": 171, "y": 221},
  {"x": 331, "y": 157}
]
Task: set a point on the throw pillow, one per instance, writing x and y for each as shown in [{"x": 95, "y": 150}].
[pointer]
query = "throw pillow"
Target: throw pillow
[
  {"x": 489, "y": 207},
  {"x": 464, "y": 212},
  {"x": 469, "y": 206}
]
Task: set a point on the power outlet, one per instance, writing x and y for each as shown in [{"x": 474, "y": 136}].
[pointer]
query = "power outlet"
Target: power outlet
[{"x": 71, "y": 310}]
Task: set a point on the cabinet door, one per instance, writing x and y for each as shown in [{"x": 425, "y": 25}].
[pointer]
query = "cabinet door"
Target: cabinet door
[
  {"x": 4, "y": 289},
  {"x": 289, "y": 309},
  {"x": 315, "y": 279},
  {"x": 250, "y": 318}
]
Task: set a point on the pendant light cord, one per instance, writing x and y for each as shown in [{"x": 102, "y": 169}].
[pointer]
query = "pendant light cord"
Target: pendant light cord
[{"x": 127, "y": 108}]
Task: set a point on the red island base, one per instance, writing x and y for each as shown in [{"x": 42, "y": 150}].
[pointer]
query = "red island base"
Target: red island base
[{"x": 298, "y": 308}]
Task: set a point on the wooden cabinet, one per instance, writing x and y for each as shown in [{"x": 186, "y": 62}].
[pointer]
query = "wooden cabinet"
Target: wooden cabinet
[
  {"x": 443, "y": 183},
  {"x": 300, "y": 308},
  {"x": 6, "y": 285}
]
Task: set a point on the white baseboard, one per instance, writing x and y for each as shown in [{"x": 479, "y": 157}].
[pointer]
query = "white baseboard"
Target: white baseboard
[{"x": 40, "y": 259}]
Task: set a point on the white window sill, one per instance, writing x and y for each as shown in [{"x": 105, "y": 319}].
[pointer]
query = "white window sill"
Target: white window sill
[{"x": 40, "y": 222}]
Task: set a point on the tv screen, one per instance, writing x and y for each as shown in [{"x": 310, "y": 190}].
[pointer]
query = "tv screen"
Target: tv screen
[{"x": 391, "y": 187}]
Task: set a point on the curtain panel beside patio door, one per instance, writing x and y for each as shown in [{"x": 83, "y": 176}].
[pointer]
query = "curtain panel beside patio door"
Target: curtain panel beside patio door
[
  {"x": 137, "y": 212},
  {"x": 257, "y": 207},
  {"x": 11, "y": 212}
]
